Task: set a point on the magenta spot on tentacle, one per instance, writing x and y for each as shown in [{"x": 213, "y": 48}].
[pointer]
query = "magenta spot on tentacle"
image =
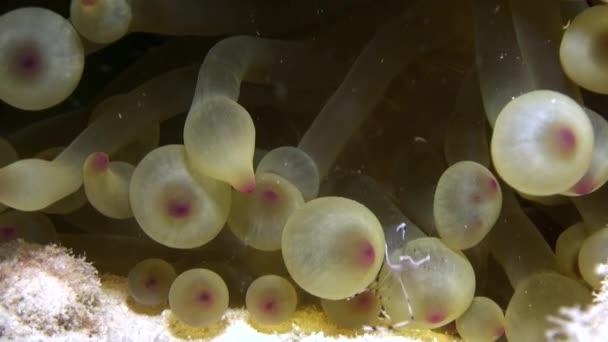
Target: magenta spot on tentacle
[
  {"x": 248, "y": 188},
  {"x": 270, "y": 195},
  {"x": 367, "y": 254},
  {"x": 179, "y": 209},
  {"x": 364, "y": 301},
  {"x": 269, "y": 306},
  {"x": 499, "y": 332},
  {"x": 492, "y": 184},
  {"x": 150, "y": 283},
  {"x": 27, "y": 62},
  {"x": 584, "y": 186},
  {"x": 435, "y": 317},
  {"x": 204, "y": 297},
  {"x": 566, "y": 138},
  {"x": 8, "y": 233},
  {"x": 88, "y": 2},
  {"x": 101, "y": 161}
]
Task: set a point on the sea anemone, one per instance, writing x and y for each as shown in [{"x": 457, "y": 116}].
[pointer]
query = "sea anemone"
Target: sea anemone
[{"x": 414, "y": 164}]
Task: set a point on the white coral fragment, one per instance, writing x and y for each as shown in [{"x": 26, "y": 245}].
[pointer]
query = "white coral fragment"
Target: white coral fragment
[
  {"x": 44, "y": 290},
  {"x": 583, "y": 324}
]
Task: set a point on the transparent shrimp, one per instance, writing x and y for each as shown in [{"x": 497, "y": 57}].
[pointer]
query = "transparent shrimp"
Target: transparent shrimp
[
  {"x": 403, "y": 265},
  {"x": 398, "y": 232}
]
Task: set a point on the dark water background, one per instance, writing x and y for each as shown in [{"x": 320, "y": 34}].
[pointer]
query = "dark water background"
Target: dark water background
[
  {"x": 417, "y": 104},
  {"x": 413, "y": 106}
]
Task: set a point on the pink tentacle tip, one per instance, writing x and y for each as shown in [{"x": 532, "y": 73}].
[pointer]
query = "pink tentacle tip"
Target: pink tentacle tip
[
  {"x": 364, "y": 301},
  {"x": 435, "y": 317},
  {"x": 584, "y": 186},
  {"x": 88, "y": 2},
  {"x": 248, "y": 188},
  {"x": 499, "y": 332},
  {"x": 179, "y": 209},
  {"x": 100, "y": 161},
  {"x": 269, "y": 306},
  {"x": 151, "y": 283},
  {"x": 28, "y": 62},
  {"x": 204, "y": 297},
  {"x": 492, "y": 184},
  {"x": 270, "y": 196},
  {"x": 567, "y": 139},
  {"x": 367, "y": 255}
]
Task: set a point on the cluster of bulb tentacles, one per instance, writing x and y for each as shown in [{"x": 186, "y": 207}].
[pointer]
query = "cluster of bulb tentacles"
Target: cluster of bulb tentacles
[{"x": 211, "y": 218}]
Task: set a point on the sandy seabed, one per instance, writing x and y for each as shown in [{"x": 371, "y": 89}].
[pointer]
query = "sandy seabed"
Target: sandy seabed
[{"x": 125, "y": 320}]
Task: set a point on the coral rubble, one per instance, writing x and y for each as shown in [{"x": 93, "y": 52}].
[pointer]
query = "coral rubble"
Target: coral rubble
[{"x": 45, "y": 290}]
